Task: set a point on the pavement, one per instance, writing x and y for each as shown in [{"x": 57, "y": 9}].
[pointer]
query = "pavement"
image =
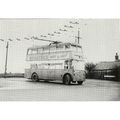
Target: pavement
[{"x": 21, "y": 89}]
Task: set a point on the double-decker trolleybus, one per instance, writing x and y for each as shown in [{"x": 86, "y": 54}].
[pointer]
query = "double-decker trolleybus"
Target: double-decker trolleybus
[{"x": 56, "y": 61}]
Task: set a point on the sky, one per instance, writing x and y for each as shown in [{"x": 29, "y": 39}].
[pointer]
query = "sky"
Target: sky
[{"x": 100, "y": 38}]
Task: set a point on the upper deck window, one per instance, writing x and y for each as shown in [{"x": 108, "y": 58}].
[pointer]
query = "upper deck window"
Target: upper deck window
[
  {"x": 46, "y": 50},
  {"x": 53, "y": 49},
  {"x": 67, "y": 46},
  {"x": 40, "y": 50},
  {"x": 29, "y": 51},
  {"x": 32, "y": 51},
  {"x": 76, "y": 48},
  {"x": 59, "y": 47},
  {"x": 79, "y": 50}
]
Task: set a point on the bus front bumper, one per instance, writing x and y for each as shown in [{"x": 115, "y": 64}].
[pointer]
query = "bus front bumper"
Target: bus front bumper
[{"x": 79, "y": 76}]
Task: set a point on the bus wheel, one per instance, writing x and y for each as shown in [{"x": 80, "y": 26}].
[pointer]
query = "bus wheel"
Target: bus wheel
[
  {"x": 80, "y": 82},
  {"x": 34, "y": 77},
  {"x": 67, "y": 79}
]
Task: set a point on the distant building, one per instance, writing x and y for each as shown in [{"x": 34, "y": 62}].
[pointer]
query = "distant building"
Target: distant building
[
  {"x": 107, "y": 70},
  {"x": 117, "y": 57}
]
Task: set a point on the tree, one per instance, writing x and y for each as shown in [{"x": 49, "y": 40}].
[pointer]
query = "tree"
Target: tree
[{"x": 89, "y": 67}]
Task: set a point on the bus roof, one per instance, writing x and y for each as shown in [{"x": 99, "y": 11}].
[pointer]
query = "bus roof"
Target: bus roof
[{"x": 53, "y": 45}]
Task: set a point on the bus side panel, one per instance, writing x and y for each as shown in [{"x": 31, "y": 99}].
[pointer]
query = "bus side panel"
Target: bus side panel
[
  {"x": 40, "y": 73},
  {"x": 58, "y": 74},
  {"x": 51, "y": 74},
  {"x": 27, "y": 73},
  {"x": 45, "y": 74}
]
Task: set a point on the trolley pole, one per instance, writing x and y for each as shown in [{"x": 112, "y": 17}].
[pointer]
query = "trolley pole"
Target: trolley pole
[{"x": 6, "y": 59}]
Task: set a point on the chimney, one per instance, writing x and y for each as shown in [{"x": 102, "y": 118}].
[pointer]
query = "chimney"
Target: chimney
[{"x": 116, "y": 57}]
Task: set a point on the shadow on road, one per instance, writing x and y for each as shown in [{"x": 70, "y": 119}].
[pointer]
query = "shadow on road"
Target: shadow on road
[{"x": 52, "y": 82}]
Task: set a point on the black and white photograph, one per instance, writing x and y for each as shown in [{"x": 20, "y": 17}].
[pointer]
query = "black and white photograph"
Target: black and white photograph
[{"x": 59, "y": 59}]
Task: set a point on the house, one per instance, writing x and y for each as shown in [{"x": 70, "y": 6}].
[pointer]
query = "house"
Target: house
[{"x": 107, "y": 69}]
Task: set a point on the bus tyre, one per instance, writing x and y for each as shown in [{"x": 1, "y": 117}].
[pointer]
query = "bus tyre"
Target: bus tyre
[
  {"x": 34, "y": 77},
  {"x": 67, "y": 79},
  {"x": 80, "y": 82}
]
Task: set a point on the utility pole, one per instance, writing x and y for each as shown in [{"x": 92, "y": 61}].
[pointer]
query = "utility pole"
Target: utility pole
[
  {"x": 78, "y": 36},
  {"x": 6, "y": 59}
]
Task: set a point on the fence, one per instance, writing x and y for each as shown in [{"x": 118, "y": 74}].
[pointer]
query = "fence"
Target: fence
[
  {"x": 111, "y": 74},
  {"x": 12, "y": 75}
]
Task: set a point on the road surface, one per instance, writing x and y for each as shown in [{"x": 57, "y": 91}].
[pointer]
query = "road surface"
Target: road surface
[{"x": 21, "y": 89}]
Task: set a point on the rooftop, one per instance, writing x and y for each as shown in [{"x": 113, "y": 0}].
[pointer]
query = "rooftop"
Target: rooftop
[
  {"x": 107, "y": 65},
  {"x": 53, "y": 45}
]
